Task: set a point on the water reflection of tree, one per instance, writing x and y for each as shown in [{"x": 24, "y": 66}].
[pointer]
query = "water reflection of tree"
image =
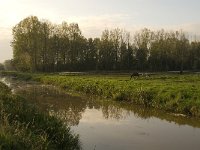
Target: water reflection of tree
[
  {"x": 56, "y": 102},
  {"x": 121, "y": 110},
  {"x": 71, "y": 108},
  {"x": 147, "y": 113},
  {"x": 112, "y": 111}
]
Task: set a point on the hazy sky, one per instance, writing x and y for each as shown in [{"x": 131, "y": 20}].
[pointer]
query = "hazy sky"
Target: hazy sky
[{"x": 95, "y": 15}]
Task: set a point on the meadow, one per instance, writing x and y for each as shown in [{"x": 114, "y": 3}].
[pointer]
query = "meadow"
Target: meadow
[
  {"x": 170, "y": 92},
  {"x": 23, "y": 126}
]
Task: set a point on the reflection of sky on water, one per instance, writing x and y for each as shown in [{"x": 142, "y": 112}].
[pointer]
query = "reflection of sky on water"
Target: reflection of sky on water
[
  {"x": 96, "y": 116},
  {"x": 134, "y": 133}
]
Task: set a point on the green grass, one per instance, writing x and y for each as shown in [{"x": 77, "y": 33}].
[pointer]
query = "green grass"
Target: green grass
[
  {"x": 169, "y": 92},
  {"x": 22, "y": 126}
]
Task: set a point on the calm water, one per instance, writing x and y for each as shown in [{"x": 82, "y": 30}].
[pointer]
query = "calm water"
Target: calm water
[{"x": 108, "y": 125}]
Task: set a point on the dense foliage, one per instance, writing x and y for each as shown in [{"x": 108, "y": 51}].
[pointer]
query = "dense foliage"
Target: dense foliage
[
  {"x": 43, "y": 46},
  {"x": 22, "y": 126}
]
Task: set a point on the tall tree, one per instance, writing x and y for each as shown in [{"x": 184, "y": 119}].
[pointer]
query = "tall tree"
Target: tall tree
[{"x": 26, "y": 43}]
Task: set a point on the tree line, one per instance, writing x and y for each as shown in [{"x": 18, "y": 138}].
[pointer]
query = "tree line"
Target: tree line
[{"x": 39, "y": 45}]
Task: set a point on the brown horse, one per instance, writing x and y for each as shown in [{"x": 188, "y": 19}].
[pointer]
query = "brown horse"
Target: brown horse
[{"x": 135, "y": 74}]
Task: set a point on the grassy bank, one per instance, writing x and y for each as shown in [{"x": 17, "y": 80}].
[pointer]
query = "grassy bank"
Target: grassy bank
[
  {"x": 22, "y": 126},
  {"x": 170, "y": 92}
]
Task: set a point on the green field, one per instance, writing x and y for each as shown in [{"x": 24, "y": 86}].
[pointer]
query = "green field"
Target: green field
[
  {"x": 22, "y": 126},
  {"x": 170, "y": 92}
]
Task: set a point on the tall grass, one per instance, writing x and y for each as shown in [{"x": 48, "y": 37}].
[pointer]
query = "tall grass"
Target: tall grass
[{"x": 22, "y": 126}]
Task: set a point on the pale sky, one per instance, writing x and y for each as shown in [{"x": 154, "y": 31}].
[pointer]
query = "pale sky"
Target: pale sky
[{"x": 93, "y": 16}]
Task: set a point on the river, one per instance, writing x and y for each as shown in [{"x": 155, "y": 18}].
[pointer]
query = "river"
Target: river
[{"x": 109, "y": 125}]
